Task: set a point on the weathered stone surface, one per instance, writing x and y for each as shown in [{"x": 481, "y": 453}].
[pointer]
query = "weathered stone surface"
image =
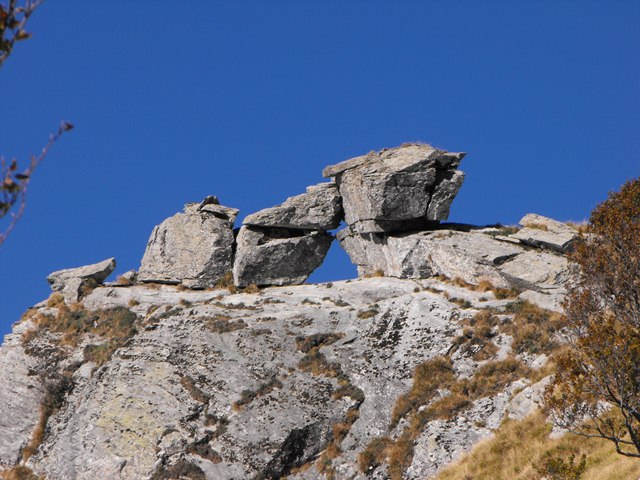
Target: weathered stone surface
[
  {"x": 318, "y": 209},
  {"x": 194, "y": 248},
  {"x": 278, "y": 256},
  {"x": 217, "y": 382},
  {"x": 469, "y": 256},
  {"x": 70, "y": 281},
  {"x": 20, "y": 396},
  {"x": 541, "y": 231},
  {"x": 397, "y": 189},
  {"x": 528, "y": 400},
  {"x": 443, "y": 195},
  {"x": 541, "y": 268},
  {"x": 184, "y": 389}
]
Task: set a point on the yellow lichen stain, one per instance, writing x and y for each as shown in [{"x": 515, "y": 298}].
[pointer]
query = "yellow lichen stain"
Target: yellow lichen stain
[{"x": 130, "y": 419}]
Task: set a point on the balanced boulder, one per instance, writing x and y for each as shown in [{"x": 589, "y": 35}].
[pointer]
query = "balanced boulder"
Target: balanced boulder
[
  {"x": 194, "y": 248},
  {"x": 319, "y": 208},
  {"x": 410, "y": 187},
  {"x": 278, "y": 256},
  {"x": 71, "y": 281}
]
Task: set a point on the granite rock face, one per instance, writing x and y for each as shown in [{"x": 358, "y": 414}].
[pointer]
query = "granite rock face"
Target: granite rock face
[
  {"x": 397, "y": 189},
  {"x": 320, "y": 208},
  {"x": 248, "y": 386},
  {"x": 70, "y": 282},
  {"x": 278, "y": 256},
  {"x": 194, "y": 248}
]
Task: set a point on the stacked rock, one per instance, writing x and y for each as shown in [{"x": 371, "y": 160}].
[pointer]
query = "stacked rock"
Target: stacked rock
[
  {"x": 282, "y": 245},
  {"x": 387, "y": 194},
  {"x": 378, "y": 195}
]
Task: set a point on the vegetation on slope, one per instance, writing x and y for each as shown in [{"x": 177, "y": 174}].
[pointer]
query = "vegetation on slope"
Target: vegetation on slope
[{"x": 522, "y": 450}]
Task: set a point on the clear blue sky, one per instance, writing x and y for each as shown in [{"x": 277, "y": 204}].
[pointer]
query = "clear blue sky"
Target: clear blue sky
[{"x": 175, "y": 100}]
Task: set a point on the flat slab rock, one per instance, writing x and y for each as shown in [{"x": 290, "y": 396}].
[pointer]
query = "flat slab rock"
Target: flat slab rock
[
  {"x": 397, "y": 189},
  {"x": 194, "y": 248},
  {"x": 278, "y": 256},
  {"x": 320, "y": 208},
  {"x": 70, "y": 281},
  {"x": 546, "y": 232}
]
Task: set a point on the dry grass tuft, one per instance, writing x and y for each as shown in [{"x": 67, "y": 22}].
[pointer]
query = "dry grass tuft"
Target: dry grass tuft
[
  {"x": 19, "y": 472},
  {"x": 248, "y": 396},
  {"x": 253, "y": 288},
  {"x": 519, "y": 448}
]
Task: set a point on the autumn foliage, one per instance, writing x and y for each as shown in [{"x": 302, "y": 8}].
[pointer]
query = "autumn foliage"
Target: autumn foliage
[{"x": 596, "y": 391}]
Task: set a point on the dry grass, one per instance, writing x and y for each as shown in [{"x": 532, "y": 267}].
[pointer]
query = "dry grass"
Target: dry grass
[
  {"x": 19, "y": 472},
  {"x": 221, "y": 323},
  {"x": 364, "y": 314},
  {"x": 428, "y": 377},
  {"x": 518, "y": 446},
  {"x": 133, "y": 302},
  {"x": 374, "y": 454},
  {"x": 537, "y": 226},
  {"x": 485, "y": 285},
  {"x": 533, "y": 328},
  {"x": 55, "y": 300},
  {"x": 227, "y": 282},
  {"x": 56, "y": 389},
  {"x": 248, "y": 396},
  {"x": 253, "y": 288},
  {"x": 124, "y": 281},
  {"x": 190, "y": 385}
]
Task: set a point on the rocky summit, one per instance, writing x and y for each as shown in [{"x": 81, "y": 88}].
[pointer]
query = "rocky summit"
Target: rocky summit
[{"x": 215, "y": 360}]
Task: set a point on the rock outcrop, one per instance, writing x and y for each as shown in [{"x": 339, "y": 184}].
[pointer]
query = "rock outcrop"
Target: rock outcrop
[
  {"x": 397, "y": 189},
  {"x": 289, "y": 381},
  {"x": 194, "y": 248},
  {"x": 367, "y": 378},
  {"x": 70, "y": 282}
]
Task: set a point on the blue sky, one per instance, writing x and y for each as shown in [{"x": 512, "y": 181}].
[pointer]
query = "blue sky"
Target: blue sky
[{"x": 173, "y": 101}]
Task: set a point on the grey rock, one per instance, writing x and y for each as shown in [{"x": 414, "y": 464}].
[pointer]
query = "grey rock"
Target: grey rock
[
  {"x": 130, "y": 276},
  {"x": 194, "y": 248},
  {"x": 541, "y": 268},
  {"x": 20, "y": 396},
  {"x": 69, "y": 282},
  {"x": 443, "y": 195},
  {"x": 237, "y": 402},
  {"x": 550, "y": 299},
  {"x": 397, "y": 189},
  {"x": 528, "y": 400},
  {"x": 278, "y": 256},
  {"x": 469, "y": 256},
  {"x": 541, "y": 231},
  {"x": 318, "y": 209}
]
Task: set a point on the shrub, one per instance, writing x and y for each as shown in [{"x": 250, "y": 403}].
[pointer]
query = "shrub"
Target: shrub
[{"x": 602, "y": 363}]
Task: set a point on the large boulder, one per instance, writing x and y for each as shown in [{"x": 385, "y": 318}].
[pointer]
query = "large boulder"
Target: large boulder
[
  {"x": 545, "y": 232},
  {"x": 320, "y": 208},
  {"x": 398, "y": 189},
  {"x": 278, "y": 256},
  {"x": 70, "y": 282},
  {"x": 194, "y": 248}
]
